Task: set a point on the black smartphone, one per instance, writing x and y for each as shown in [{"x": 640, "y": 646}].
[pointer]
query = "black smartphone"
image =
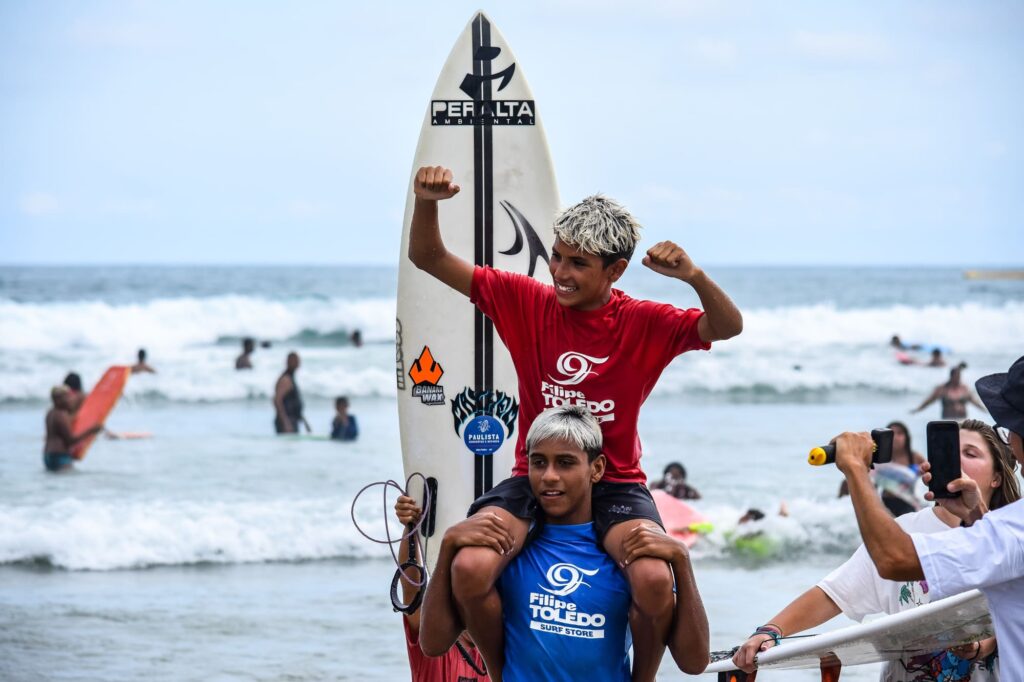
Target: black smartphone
[{"x": 943, "y": 456}]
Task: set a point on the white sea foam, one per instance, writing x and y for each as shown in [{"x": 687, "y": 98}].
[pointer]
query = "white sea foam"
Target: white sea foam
[
  {"x": 175, "y": 323},
  {"x": 106, "y": 535},
  {"x": 93, "y": 535},
  {"x": 799, "y": 352}
]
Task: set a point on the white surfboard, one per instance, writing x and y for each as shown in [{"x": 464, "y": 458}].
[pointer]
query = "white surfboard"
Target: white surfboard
[
  {"x": 457, "y": 398},
  {"x": 933, "y": 627}
]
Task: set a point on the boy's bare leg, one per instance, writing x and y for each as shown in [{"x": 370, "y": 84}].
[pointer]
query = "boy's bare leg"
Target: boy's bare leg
[
  {"x": 650, "y": 614},
  {"x": 475, "y": 571}
]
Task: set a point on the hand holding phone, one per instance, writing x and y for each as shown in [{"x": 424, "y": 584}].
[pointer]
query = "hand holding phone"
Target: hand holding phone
[{"x": 943, "y": 457}]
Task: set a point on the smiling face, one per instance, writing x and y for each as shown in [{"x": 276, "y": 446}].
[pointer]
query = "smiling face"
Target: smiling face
[
  {"x": 977, "y": 464},
  {"x": 561, "y": 479},
  {"x": 582, "y": 282}
]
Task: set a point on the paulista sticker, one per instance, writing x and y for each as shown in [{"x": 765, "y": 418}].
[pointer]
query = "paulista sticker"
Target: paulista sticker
[
  {"x": 484, "y": 419},
  {"x": 425, "y": 374}
]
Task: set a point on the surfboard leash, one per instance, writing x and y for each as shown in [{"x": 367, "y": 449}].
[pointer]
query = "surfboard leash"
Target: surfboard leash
[{"x": 410, "y": 533}]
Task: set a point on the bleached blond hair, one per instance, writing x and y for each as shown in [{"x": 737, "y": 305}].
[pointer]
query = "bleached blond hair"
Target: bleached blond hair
[
  {"x": 571, "y": 423},
  {"x": 599, "y": 226}
]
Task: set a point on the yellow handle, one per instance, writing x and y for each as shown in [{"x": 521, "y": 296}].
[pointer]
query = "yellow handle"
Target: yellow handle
[{"x": 816, "y": 457}]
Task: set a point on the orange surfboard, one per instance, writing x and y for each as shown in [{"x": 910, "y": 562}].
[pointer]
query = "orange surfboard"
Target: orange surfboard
[
  {"x": 678, "y": 517},
  {"x": 98, "y": 404}
]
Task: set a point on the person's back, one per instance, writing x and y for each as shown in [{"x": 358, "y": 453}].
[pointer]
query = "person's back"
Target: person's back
[{"x": 59, "y": 436}]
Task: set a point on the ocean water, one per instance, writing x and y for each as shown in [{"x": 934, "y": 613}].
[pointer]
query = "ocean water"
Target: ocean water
[{"x": 217, "y": 551}]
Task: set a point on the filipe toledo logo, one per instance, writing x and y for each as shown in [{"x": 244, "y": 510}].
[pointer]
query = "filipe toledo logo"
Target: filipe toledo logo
[
  {"x": 481, "y": 109},
  {"x": 566, "y": 578},
  {"x": 425, "y": 374},
  {"x": 551, "y": 614},
  {"x": 575, "y": 367},
  {"x": 484, "y": 419}
]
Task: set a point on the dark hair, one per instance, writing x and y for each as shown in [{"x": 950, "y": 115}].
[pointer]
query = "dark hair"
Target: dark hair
[
  {"x": 1003, "y": 463},
  {"x": 142, "y": 355},
  {"x": 341, "y": 400},
  {"x": 248, "y": 344},
  {"x": 674, "y": 465},
  {"x": 910, "y": 450},
  {"x": 73, "y": 381},
  {"x": 755, "y": 514}
]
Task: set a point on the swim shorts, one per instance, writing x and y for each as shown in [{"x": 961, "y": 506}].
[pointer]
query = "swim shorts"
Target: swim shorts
[
  {"x": 612, "y": 503},
  {"x": 55, "y": 461}
]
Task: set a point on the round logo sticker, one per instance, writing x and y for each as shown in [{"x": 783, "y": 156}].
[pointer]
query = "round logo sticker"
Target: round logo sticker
[{"x": 483, "y": 435}]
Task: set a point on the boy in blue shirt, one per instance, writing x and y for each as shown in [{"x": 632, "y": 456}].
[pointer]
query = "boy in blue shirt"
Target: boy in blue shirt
[{"x": 566, "y": 603}]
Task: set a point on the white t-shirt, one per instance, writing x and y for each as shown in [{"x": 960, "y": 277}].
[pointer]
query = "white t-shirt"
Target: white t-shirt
[
  {"x": 988, "y": 556},
  {"x": 859, "y": 591}
]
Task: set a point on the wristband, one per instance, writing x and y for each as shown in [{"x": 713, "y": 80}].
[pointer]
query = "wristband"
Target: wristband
[{"x": 772, "y": 630}]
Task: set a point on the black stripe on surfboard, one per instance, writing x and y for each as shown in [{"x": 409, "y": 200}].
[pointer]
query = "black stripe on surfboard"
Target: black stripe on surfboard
[{"x": 483, "y": 249}]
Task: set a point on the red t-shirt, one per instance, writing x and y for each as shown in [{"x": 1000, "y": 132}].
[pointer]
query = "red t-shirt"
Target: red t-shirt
[
  {"x": 448, "y": 668},
  {"x": 607, "y": 359}
]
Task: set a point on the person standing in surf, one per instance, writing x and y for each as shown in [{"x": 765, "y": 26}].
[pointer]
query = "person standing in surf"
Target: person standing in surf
[
  {"x": 59, "y": 436},
  {"x": 287, "y": 400},
  {"x": 142, "y": 367},
  {"x": 954, "y": 395},
  {"x": 566, "y": 602},
  {"x": 576, "y": 341}
]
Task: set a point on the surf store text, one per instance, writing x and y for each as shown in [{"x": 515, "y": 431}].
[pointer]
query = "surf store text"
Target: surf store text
[
  {"x": 496, "y": 112},
  {"x": 559, "y": 617}
]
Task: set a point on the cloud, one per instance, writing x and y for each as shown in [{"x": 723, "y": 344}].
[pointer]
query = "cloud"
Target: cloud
[
  {"x": 39, "y": 204},
  {"x": 841, "y": 47}
]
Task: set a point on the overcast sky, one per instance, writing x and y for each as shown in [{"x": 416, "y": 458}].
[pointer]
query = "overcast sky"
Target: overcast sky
[{"x": 750, "y": 132}]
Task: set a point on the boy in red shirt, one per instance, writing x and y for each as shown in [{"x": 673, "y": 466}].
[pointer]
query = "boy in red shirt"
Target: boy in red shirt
[
  {"x": 576, "y": 342},
  {"x": 453, "y": 666}
]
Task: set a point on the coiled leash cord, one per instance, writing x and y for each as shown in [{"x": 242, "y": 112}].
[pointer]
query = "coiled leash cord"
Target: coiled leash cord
[{"x": 411, "y": 531}]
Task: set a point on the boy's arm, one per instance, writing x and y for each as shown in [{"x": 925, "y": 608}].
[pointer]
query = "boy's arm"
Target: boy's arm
[
  {"x": 443, "y": 625},
  {"x": 721, "y": 319},
  {"x": 690, "y": 640},
  {"x": 426, "y": 248},
  {"x": 408, "y": 513}
]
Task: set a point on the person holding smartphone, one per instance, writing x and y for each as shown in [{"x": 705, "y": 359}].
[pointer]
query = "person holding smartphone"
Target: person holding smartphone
[
  {"x": 856, "y": 590},
  {"x": 986, "y": 554}
]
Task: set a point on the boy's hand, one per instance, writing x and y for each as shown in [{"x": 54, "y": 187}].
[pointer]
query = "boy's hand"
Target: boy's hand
[
  {"x": 651, "y": 541},
  {"x": 434, "y": 183},
  {"x": 406, "y": 510},
  {"x": 669, "y": 259},
  {"x": 482, "y": 530}
]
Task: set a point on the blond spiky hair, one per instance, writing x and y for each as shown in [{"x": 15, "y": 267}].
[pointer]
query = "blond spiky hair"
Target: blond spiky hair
[{"x": 600, "y": 226}]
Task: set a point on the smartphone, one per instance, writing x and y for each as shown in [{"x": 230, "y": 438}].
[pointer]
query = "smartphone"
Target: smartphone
[{"x": 943, "y": 456}]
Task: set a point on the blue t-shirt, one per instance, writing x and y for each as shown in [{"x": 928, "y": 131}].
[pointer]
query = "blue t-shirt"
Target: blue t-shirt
[
  {"x": 566, "y": 610},
  {"x": 347, "y": 432}
]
